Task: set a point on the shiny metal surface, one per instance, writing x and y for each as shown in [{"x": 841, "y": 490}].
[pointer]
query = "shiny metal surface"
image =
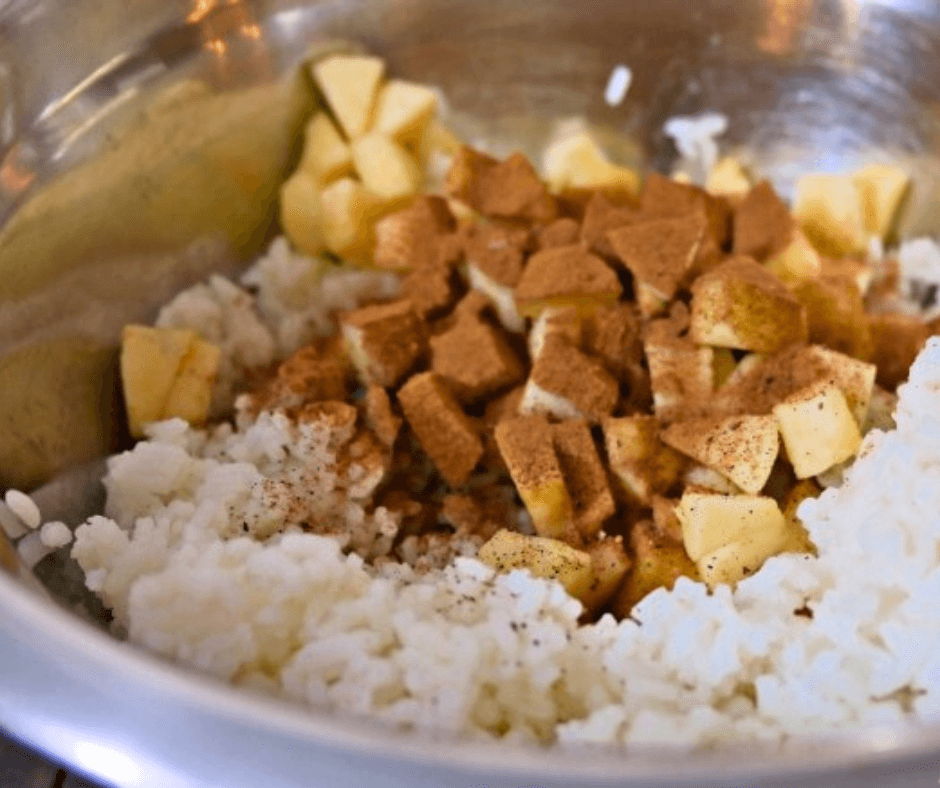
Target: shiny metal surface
[{"x": 187, "y": 99}]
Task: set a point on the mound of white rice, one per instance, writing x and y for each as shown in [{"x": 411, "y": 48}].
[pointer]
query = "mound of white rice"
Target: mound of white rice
[{"x": 805, "y": 645}]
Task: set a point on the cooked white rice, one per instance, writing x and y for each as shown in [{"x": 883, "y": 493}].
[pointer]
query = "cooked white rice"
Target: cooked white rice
[{"x": 483, "y": 655}]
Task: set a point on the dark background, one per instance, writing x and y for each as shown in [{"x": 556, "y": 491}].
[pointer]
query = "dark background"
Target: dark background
[{"x": 21, "y": 767}]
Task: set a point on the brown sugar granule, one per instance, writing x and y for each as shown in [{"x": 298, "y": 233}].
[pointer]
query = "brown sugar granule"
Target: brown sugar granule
[
  {"x": 664, "y": 197},
  {"x": 319, "y": 371},
  {"x": 896, "y": 340},
  {"x": 431, "y": 290},
  {"x": 561, "y": 232},
  {"x": 510, "y": 189},
  {"x": 497, "y": 250},
  {"x": 566, "y": 275},
  {"x": 385, "y": 341},
  {"x": 584, "y": 475},
  {"x": 474, "y": 359},
  {"x": 613, "y": 335},
  {"x": 601, "y": 216},
  {"x": 763, "y": 225},
  {"x": 659, "y": 252},
  {"x": 563, "y": 371},
  {"x": 382, "y": 419},
  {"x": 445, "y": 432},
  {"x": 412, "y": 237}
]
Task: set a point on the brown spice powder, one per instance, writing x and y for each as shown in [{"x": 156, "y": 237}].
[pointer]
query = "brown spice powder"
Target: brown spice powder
[{"x": 445, "y": 432}]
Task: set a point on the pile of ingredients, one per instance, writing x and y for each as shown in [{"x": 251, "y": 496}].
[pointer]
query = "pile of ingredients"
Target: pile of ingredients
[{"x": 578, "y": 456}]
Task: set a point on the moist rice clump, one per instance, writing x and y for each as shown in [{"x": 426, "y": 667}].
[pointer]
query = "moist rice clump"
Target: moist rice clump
[{"x": 239, "y": 551}]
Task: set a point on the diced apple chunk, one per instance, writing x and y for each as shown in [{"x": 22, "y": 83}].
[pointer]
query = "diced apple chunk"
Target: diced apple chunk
[
  {"x": 348, "y": 210},
  {"x": 728, "y": 178},
  {"x": 326, "y": 154},
  {"x": 710, "y": 522},
  {"x": 882, "y": 188},
  {"x": 190, "y": 396},
  {"x": 829, "y": 210},
  {"x": 855, "y": 378},
  {"x": 797, "y": 262},
  {"x": 503, "y": 298},
  {"x": 403, "y": 110},
  {"x": 742, "y": 448},
  {"x": 658, "y": 561},
  {"x": 575, "y": 161},
  {"x": 637, "y": 457},
  {"x": 350, "y": 84},
  {"x": 798, "y": 540},
  {"x": 526, "y": 444},
  {"x": 545, "y": 558},
  {"x": 386, "y": 168},
  {"x": 300, "y": 213},
  {"x": 741, "y": 305},
  {"x": 818, "y": 428},
  {"x": 610, "y": 564},
  {"x": 743, "y": 557},
  {"x": 150, "y": 361}
]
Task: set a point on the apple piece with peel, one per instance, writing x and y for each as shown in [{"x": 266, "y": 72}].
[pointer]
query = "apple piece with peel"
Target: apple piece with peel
[
  {"x": 742, "y": 448},
  {"x": 350, "y": 84},
  {"x": 190, "y": 395},
  {"x": 301, "y": 214},
  {"x": 150, "y": 362},
  {"x": 741, "y": 305},
  {"x": 712, "y": 521},
  {"x": 403, "y": 110},
  {"x": 347, "y": 213},
  {"x": 829, "y": 210},
  {"x": 882, "y": 188},
  {"x": 543, "y": 557},
  {"x": 818, "y": 428},
  {"x": 326, "y": 155},
  {"x": 387, "y": 170}
]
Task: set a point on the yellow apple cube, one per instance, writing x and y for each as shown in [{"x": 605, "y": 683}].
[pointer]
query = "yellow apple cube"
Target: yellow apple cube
[
  {"x": 150, "y": 361},
  {"x": 403, "y": 110},
  {"x": 818, "y": 428},
  {"x": 350, "y": 84},
  {"x": 386, "y": 168},
  {"x": 545, "y": 558},
  {"x": 326, "y": 154},
  {"x": 300, "y": 213}
]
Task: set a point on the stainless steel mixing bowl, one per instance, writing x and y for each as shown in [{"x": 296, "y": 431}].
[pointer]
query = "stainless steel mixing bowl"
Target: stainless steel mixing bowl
[{"x": 142, "y": 141}]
